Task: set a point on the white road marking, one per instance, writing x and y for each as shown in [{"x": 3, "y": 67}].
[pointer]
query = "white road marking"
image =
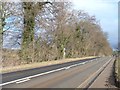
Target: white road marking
[
  {"x": 86, "y": 81},
  {"x": 12, "y": 82},
  {"x": 76, "y": 65},
  {"x": 41, "y": 74},
  {"x": 46, "y": 72},
  {"x": 67, "y": 68},
  {"x": 23, "y": 81}
]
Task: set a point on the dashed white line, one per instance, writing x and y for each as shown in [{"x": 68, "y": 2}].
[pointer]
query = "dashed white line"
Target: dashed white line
[{"x": 23, "y": 81}]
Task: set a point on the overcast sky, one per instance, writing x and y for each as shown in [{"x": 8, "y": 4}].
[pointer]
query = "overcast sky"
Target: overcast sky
[{"x": 106, "y": 11}]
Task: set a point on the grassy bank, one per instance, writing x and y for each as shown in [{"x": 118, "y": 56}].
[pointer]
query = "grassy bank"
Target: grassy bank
[
  {"x": 35, "y": 65},
  {"x": 117, "y": 72},
  {"x": 117, "y": 68}
]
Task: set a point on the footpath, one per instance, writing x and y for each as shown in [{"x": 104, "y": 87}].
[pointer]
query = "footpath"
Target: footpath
[{"x": 106, "y": 78}]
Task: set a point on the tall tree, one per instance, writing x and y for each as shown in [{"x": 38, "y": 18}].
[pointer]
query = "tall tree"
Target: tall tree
[{"x": 31, "y": 9}]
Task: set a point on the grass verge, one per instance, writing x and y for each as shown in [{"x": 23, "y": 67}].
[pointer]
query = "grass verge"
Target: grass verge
[
  {"x": 117, "y": 72},
  {"x": 118, "y": 65},
  {"x": 117, "y": 68}
]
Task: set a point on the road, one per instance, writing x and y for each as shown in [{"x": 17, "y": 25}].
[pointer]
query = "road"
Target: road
[{"x": 68, "y": 75}]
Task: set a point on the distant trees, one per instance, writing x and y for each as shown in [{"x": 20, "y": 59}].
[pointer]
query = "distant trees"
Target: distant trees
[{"x": 53, "y": 30}]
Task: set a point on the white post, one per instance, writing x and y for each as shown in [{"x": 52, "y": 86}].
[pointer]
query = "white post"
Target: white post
[{"x": 64, "y": 53}]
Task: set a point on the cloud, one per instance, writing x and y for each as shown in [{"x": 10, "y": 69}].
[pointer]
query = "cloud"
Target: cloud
[
  {"x": 94, "y": 6},
  {"x": 106, "y": 11}
]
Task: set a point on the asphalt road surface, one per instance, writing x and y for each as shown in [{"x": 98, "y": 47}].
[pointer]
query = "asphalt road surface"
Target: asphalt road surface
[{"x": 67, "y": 75}]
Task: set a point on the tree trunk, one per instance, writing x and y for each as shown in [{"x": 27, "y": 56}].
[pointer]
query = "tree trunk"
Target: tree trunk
[
  {"x": 31, "y": 9},
  {"x": 28, "y": 33}
]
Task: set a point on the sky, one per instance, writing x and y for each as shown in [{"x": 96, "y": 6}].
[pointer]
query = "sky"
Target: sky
[{"x": 106, "y": 11}]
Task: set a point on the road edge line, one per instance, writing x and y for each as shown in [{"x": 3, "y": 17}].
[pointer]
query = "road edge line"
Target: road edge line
[{"x": 88, "y": 81}]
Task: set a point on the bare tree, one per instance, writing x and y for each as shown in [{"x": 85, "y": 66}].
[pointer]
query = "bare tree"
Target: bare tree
[{"x": 49, "y": 31}]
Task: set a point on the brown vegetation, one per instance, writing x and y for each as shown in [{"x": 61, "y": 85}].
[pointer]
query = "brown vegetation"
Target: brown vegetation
[{"x": 63, "y": 33}]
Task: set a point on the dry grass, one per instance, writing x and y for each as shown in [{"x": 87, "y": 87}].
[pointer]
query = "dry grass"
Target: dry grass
[
  {"x": 40, "y": 64},
  {"x": 117, "y": 68},
  {"x": 118, "y": 65},
  {"x": 10, "y": 58}
]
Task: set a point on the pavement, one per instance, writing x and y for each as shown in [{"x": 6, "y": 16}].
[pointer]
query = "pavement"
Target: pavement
[{"x": 106, "y": 78}]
